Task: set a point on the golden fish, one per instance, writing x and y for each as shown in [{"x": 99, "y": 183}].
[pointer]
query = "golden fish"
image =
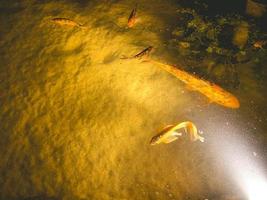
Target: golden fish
[
  {"x": 66, "y": 22},
  {"x": 132, "y": 18},
  {"x": 212, "y": 91},
  {"x": 170, "y": 134}
]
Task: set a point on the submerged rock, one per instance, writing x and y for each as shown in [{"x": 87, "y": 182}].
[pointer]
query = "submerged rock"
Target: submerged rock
[
  {"x": 225, "y": 36},
  {"x": 240, "y": 36},
  {"x": 241, "y": 57},
  {"x": 256, "y": 8},
  {"x": 184, "y": 45},
  {"x": 178, "y": 32},
  {"x": 219, "y": 71}
]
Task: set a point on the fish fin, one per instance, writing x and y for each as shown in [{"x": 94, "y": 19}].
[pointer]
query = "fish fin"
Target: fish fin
[
  {"x": 196, "y": 138},
  {"x": 176, "y": 133},
  {"x": 193, "y": 133},
  {"x": 210, "y": 101},
  {"x": 201, "y": 139},
  {"x": 169, "y": 139},
  {"x": 190, "y": 88},
  {"x": 166, "y": 128}
]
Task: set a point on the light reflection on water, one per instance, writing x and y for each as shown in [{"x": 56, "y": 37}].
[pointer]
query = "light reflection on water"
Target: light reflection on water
[{"x": 77, "y": 120}]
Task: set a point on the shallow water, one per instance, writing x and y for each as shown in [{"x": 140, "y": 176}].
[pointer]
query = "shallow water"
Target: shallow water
[{"x": 76, "y": 120}]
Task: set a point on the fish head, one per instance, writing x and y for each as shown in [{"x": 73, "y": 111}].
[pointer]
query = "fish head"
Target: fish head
[
  {"x": 149, "y": 49},
  {"x": 155, "y": 140},
  {"x": 131, "y": 23},
  {"x": 232, "y": 102}
]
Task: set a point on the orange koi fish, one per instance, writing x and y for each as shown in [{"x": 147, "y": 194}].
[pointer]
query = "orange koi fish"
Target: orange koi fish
[
  {"x": 132, "y": 17},
  {"x": 170, "y": 134},
  {"x": 212, "y": 91}
]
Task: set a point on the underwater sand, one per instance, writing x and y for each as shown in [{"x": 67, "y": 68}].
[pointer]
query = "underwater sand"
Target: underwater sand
[{"x": 76, "y": 121}]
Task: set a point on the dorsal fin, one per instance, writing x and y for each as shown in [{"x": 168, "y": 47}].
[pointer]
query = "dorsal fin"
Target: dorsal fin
[{"x": 167, "y": 128}]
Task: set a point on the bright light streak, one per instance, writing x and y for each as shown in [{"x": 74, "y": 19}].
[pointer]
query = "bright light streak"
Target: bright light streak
[
  {"x": 255, "y": 186},
  {"x": 247, "y": 170}
]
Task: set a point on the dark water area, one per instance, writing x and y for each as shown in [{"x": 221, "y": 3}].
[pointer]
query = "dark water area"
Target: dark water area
[
  {"x": 217, "y": 7},
  {"x": 212, "y": 8}
]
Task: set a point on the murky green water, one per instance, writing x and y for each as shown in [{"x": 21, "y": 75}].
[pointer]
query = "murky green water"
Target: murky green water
[{"x": 76, "y": 120}]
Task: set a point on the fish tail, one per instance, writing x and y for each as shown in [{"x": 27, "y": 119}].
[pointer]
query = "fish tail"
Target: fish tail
[
  {"x": 193, "y": 133},
  {"x": 201, "y": 139}
]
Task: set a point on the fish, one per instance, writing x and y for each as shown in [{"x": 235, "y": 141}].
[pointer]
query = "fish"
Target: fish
[
  {"x": 213, "y": 92},
  {"x": 132, "y": 18},
  {"x": 66, "y": 22},
  {"x": 167, "y": 135},
  {"x": 259, "y": 44},
  {"x": 170, "y": 133},
  {"x": 141, "y": 54}
]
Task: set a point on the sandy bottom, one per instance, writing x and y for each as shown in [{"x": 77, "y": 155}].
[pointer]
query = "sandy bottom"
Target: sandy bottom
[{"x": 76, "y": 121}]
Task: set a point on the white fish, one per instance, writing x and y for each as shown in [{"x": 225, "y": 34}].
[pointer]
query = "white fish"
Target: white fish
[{"x": 170, "y": 133}]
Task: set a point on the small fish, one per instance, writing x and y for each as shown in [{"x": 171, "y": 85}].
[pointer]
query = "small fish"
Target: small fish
[
  {"x": 132, "y": 18},
  {"x": 259, "y": 44},
  {"x": 170, "y": 134},
  {"x": 140, "y": 55},
  {"x": 66, "y": 22}
]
